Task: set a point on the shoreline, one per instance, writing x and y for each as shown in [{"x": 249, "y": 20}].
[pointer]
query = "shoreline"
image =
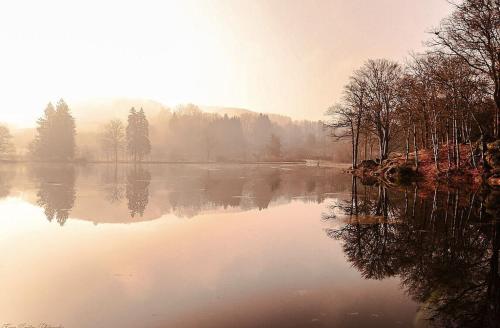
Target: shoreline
[{"x": 398, "y": 170}]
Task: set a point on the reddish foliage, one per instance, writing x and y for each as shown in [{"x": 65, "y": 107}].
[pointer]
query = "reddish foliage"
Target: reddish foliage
[{"x": 466, "y": 172}]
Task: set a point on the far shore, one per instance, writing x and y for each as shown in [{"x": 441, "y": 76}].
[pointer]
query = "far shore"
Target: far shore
[{"x": 318, "y": 163}]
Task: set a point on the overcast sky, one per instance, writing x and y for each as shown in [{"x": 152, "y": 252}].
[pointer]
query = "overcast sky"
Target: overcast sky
[{"x": 281, "y": 56}]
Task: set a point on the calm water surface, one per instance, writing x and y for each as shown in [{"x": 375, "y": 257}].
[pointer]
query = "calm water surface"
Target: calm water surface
[{"x": 241, "y": 246}]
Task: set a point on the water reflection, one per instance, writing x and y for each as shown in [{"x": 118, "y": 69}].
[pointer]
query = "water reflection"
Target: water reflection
[
  {"x": 443, "y": 244},
  {"x": 138, "y": 180},
  {"x": 124, "y": 193},
  {"x": 56, "y": 190},
  {"x": 114, "y": 189},
  {"x": 6, "y": 177}
]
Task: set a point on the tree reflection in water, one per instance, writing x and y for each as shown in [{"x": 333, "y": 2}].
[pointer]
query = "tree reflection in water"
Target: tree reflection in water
[
  {"x": 443, "y": 245},
  {"x": 6, "y": 177},
  {"x": 56, "y": 190},
  {"x": 114, "y": 188},
  {"x": 138, "y": 180}
]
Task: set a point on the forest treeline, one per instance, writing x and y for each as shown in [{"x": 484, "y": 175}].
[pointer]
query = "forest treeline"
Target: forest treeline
[
  {"x": 183, "y": 134},
  {"x": 439, "y": 100}
]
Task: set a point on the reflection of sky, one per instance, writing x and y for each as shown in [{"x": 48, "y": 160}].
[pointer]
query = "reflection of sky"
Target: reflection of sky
[
  {"x": 103, "y": 195},
  {"x": 216, "y": 270}
]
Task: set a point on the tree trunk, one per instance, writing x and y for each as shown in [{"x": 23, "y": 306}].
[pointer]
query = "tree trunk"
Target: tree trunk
[
  {"x": 407, "y": 144},
  {"x": 381, "y": 148},
  {"x": 366, "y": 146},
  {"x": 472, "y": 150},
  {"x": 483, "y": 143},
  {"x": 448, "y": 144},
  {"x": 457, "y": 145},
  {"x": 353, "y": 157},
  {"x": 496, "y": 96},
  {"x": 415, "y": 146},
  {"x": 356, "y": 144}
]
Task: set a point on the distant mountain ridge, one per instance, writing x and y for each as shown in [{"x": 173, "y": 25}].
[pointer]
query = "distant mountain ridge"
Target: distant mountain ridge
[
  {"x": 94, "y": 112},
  {"x": 238, "y": 112}
]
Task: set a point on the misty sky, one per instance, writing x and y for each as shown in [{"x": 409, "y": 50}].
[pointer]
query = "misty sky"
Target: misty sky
[{"x": 282, "y": 56}]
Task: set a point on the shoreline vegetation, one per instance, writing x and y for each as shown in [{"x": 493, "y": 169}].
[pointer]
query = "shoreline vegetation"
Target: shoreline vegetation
[
  {"x": 184, "y": 135},
  {"x": 399, "y": 169},
  {"x": 434, "y": 118},
  {"x": 437, "y": 116}
]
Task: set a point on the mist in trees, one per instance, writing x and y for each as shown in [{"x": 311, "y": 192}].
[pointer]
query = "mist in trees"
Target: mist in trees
[
  {"x": 137, "y": 135},
  {"x": 113, "y": 139},
  {"x": 55, "y": 134},
  {"x": 6, "y": 145},
  {"x": 183, "y": 134},
  {"x": 189, "y": 134},
  {"x": 275, "y": 147}
]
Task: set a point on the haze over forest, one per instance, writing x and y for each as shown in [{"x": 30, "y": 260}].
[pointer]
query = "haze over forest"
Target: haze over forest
[{"x": 189, "y": 133}]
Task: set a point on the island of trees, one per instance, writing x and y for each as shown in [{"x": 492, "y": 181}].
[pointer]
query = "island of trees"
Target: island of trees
[{"x": 436, "y": 115}]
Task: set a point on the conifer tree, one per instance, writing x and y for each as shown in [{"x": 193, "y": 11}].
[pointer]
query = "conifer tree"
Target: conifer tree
[
  {"x": 138, "y": 144},
  {"x": 55, "y": 134}
]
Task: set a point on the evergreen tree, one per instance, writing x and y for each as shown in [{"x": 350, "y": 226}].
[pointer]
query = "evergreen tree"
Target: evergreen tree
[
  {"x": 138, "y": 144},
  {"x": 39, "y": 146},
  {"x": 55, "y": 138},
  {"x": 64, "y": 126},
  {"x": 274, "y": 147},
  {"x": 144, "y": 142}
]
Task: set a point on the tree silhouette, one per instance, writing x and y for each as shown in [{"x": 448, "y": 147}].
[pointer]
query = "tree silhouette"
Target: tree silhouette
[
  {"x": 55, "y": 138},
  {"x": 274, "y": 147},
  {"x": 349, "y": 116},
  {"x": 113, "y": 138},
  {"x": 138, "y": 144},
  {"x": 472, "y": 34}
]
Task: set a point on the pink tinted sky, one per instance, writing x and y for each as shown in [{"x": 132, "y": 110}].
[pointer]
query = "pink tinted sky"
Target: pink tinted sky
[{"x": 282, "y": 56}]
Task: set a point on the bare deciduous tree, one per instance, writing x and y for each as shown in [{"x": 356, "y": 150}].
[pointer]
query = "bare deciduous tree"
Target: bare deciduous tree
[
  {"x": 472, "y": 33},
  {"x": 113, "y": 138}
]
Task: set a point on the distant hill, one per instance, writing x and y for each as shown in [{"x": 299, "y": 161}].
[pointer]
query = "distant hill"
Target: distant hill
[
  {"x": 91, "y": 114},
  {"x": 230, "y": 111},
  {"x": 233, "y": 111},
  {"x": 95, "y": 112}
]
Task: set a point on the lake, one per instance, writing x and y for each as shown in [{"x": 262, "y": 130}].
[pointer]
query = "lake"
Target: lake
[{"x": 242, "y": 246}]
